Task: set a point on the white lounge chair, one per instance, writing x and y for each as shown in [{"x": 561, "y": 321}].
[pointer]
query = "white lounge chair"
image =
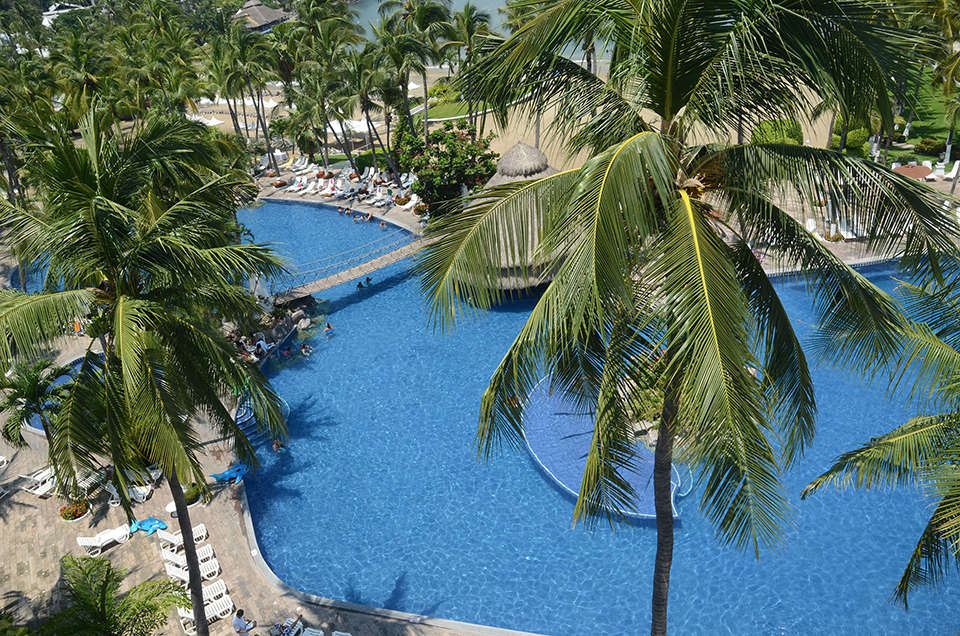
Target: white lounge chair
[
  {"x": 174, "y": 542},
  {"x": 214, "y": 591},
  {"x": 40, "y": 475},
  {"x": 928, "y": 164},
  {"x": 342, "y": 634},
  {"x": 204, "y": 553},
  {"x": 93, "y": 546},
  {"x": 296, "y": 184},
  {"x": 221, "y": 608},
  {"x": 91, "y": 481},
  {"x": 310, "y": 189},
  {"x": 209, "y": 568},
  {"x": 937, "y": 174},
  {"x": 150, "y": 475},
  {"x": 136, "y": 493},
  {"x": 950, "y": 176},
  {"x": 313, "y": 631},
  {"x": 3, "y": 461},
  {"x": 414, "y": 199},
  {"x": 895, "y": 165}
]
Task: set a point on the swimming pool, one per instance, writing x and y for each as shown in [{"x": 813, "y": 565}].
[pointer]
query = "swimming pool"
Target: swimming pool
[{"x": 380, "y": 499}]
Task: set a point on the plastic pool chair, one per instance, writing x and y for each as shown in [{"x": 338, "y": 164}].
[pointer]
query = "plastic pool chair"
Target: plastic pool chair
[
  {"x": 221, "y": 608},
  {"x": 174, "y": 541},
  {"x": 950, "y": 176},
  {"x": 204, "y": 553},
  {"x": 214, "y": 591},
  {"x": 209, "y": 567},
  {"x": 93, "y": 546}
]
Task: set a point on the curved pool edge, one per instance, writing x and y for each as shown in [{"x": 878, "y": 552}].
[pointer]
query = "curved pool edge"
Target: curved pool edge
[{"x": 304, "y": 597}]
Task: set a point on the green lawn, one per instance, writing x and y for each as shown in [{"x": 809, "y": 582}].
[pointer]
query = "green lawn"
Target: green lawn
[{"x": 452, "y": 109}]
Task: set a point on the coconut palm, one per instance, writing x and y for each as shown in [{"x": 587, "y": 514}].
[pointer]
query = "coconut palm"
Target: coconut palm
[
  {"x": 141, "y": 232},
  {"x": 924, "y": 451},
  {"x": 399, "y": 50},
  {"x": 98, "y": 609},
  {"x": 29, "y": 391},
  {"x": 428, "y": 22},
  {"x": 469, "y": 27},
  {"x": 647, "y": 247}
]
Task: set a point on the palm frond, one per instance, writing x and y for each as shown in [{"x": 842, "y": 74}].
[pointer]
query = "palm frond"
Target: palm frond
[{"x": 719, "y": 400}]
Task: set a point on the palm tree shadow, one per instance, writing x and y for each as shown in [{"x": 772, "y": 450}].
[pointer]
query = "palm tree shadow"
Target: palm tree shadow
[{"x": 397, "y": 600}]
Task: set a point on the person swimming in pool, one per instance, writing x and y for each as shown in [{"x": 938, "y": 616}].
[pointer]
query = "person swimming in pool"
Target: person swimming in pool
[
  {"x": 383, "y": 225},
  {"x": 328, "y": 329},
  {"x": 305, "y": 350}
]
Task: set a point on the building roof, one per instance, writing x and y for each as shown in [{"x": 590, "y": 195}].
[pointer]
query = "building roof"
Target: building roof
[{"x": 259, "y": 16}]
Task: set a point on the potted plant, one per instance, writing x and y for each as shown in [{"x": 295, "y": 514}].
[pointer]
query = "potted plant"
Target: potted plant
[
  {"x": 420, "y": 209},
  {"x": 192, "y": 495},
  {"x": 74, "y": 511}
]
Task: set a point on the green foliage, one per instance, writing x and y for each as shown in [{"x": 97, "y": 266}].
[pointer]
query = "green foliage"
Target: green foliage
[
  {"x": 29, "y": 391},
  {"x": 443, "y": 92},
  {"x": 7, "y": 628},
  {"x": 857, "y": 137},
  {"x": 778, "y": 131},
  {"x": 74, "y": 510},
  {"x": 930, "y": 147},
  {"x": 97, "y": 609},
  {"x": 192, "y": 494},
  {"x": 456, "y": 157}
]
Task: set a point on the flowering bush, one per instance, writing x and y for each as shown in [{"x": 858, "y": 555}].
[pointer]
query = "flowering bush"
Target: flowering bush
[
  {"x": 455, "y": 157},
  {"x": 74, "y": 510},
  {"x": 420, "y": 209},
  {"x": 401, "y": 200}
]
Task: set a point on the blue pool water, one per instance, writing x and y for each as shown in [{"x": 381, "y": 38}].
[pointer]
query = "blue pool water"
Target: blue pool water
[{"x": 380, "y": 499}]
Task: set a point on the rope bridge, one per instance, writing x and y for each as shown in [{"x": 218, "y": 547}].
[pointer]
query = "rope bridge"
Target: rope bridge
[{"x": 330, "y": 271}]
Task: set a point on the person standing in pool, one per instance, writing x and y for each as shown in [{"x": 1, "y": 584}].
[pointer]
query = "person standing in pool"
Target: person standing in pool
[{"x": 328, "y": 330}]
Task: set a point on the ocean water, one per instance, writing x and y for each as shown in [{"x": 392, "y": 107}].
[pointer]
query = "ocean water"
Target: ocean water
[{"x": 380, "y": 498}]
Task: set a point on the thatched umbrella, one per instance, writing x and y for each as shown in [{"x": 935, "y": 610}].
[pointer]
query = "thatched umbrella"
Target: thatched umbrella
[{"x": 520, "y": 163}]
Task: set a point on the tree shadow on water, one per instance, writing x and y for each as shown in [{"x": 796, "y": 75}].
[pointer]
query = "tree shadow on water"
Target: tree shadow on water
[{"x": 396, "y": 600}]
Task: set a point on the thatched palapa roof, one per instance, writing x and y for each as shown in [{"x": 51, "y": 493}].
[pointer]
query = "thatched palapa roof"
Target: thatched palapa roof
[
  {"x": 259, "y": 17},
  {"x": 520, "y": 163}
]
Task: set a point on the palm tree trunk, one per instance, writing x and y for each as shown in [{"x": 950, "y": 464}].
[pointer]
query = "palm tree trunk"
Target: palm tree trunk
[
  {"x": 406, "y": 102},
  {"x": 386, "y": 153},
  {"x": 190, "y": 552},
  {"x": 246, "y": 126},
  {"x": 833, "y": 120},
  {"x": 233, "y": 115},
  {"x": 323, "y": 151},
  {"x": 262, "y": 122},
  {"x": 662, "y": 463},
  {"x": 373, "y": 145},
  {"x": 426, "y": 107},
  {"x": 949, "y": 149}
]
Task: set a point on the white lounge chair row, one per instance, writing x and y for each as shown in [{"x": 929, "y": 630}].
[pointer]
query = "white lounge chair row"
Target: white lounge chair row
[{"x": 216, "y": 605}]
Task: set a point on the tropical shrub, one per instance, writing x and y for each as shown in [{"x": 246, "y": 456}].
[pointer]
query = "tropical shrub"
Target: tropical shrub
[
  {"x": 7, "y": 628},
  {"x": 98, "y": 609},
  {"x": 777, "y": 131},
  {"x": 455, "y": 157},
  {"x": 192, "y": 494},
  {"x": 931, "y": 147},
  {"x": 74, "y": 510},
  {"x": 857, "y": 137}
]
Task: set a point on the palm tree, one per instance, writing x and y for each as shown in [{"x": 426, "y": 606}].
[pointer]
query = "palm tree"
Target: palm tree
[
  {"x": 647, "y": 246},
  {"x": 31, "y": 391},
  {"x": 427, "y": 22},
  {"x": 470, "y": 27},
  {"x": 97, "y": 609},
  {"x": 364, "y": 78},
  {"x": 141, "y": 230},
  {"x": 923, "y": 452},
  {"x": 403, "y": 52}
]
